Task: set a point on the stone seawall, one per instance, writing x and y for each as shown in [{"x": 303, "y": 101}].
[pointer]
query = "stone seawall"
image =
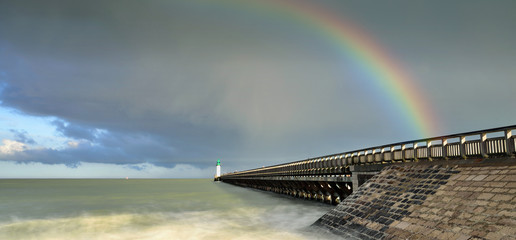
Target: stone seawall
[{"x": 422, "y": 201}]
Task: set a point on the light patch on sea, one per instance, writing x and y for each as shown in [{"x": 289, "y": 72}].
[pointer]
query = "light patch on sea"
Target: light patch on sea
[{"x": 150, "y": 209}]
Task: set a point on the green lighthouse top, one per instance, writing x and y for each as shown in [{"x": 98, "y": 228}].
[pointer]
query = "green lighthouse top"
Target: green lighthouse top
[{"x": 218, "y": 162}]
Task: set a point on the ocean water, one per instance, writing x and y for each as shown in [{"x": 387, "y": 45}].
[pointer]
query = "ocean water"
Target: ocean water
[{"x": 150, "y": 209}]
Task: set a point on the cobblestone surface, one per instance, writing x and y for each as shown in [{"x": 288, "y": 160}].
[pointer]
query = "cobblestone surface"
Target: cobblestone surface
[{"x": 430, "y": 202}]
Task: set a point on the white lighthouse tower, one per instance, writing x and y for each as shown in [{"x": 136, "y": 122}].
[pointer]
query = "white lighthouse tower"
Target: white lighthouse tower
[{"x": 217, "y": 175}]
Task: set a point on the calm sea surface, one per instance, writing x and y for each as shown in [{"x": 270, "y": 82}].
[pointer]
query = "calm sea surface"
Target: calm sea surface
[{"x": 150, "y": 209}]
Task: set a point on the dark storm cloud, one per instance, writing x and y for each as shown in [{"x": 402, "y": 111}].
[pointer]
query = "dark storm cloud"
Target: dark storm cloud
[
  {"x": 203, "y": 96},
  {"x": 170, "y": 82}
]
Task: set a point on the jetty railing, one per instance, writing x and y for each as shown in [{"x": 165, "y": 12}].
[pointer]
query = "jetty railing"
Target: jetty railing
[{"x": 489, "y": 143}]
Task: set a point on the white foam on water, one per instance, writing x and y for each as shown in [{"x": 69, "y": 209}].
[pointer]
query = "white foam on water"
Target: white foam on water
[
  {"x": 239, "y": 223},
  {"x": 150, "y": 209}
]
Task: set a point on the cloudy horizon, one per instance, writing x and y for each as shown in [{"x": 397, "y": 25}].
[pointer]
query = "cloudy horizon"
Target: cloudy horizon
[{"x": 165, "y": 88}]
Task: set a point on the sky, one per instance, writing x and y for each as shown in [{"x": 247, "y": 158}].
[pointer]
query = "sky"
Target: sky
[{"x": 162, "y": 89}]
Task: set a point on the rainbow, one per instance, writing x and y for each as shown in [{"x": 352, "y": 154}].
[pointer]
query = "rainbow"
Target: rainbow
[{"x": 387, "y": 74}]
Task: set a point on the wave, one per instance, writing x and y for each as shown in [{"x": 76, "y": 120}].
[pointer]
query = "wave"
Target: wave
[{"x": 237, "y": 223}]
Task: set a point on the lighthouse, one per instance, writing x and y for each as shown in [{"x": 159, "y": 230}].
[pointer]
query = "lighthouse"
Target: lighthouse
[{"x": 217, "y": 175}]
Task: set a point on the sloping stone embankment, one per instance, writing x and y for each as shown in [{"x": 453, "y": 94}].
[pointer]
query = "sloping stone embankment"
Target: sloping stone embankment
[{"x": 430, "y": 202}]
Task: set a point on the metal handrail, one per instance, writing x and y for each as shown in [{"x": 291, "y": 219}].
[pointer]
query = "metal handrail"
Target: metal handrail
[{"x": 338, "y": 163}]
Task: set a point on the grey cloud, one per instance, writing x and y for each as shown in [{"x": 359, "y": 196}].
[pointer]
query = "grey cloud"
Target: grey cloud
[
  {"x": 181, "y": 82},
  {"x": 22, "y": 136},
  {"x": 109, "y": 148},
  {"x": 74, "y": 131}
]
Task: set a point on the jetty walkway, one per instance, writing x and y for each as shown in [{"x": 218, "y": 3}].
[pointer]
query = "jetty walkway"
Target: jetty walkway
[{"x": 459, "y": 186}]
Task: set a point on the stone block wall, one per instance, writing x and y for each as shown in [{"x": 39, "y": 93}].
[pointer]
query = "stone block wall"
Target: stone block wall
[{"x": 430, "y": 202}]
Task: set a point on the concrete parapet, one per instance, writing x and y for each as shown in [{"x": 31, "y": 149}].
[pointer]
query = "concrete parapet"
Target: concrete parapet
[{"x": 469, "y": 200}]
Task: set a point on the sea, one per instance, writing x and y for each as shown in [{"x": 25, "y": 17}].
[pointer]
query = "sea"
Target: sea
[{"x": 150, "y": 209}]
